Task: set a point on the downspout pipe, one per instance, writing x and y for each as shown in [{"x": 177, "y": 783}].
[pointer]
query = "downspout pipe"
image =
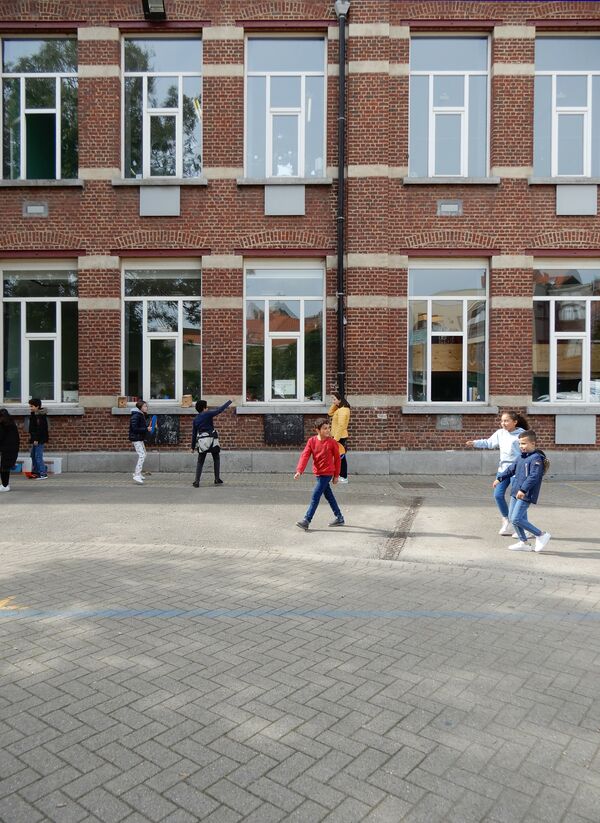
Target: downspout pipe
[{"x": 342, "y": 8}]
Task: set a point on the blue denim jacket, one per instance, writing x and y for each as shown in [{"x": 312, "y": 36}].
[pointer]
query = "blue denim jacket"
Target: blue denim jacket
[{"x": 527, "y": 473}]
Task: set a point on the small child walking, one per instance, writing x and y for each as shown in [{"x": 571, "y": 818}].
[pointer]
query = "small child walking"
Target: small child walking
[
  {"x": 138, "y": 433},
  {"x": 325, "y": 453},
  {"x": 527, "y": 473}
]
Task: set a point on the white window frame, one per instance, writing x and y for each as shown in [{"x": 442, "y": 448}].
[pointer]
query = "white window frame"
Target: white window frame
[
  {"x": 463, "y": 111},
  {"x": 291, "y": 265},
  {"x": 161, "y": 265},
  {"x": 148, "y": 113},
  {"x": 452, "y": 263},
  {"x": 28, "y": 337},
  {"x": 56, "y": 111},
  {"x": 298, "y": 112},
  {"x": 555, "y": 336}
]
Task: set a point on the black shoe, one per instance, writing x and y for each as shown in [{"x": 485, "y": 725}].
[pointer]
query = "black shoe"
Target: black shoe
[
  {"x": 339, "y": 521},
  {"x": 195, "y": 484},
  {"x": 218, "y": 482},
  {"x": 303, "y": 524}
]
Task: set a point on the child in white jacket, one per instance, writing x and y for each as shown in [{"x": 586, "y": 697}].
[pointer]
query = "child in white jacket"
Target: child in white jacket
[{"x": 507, "y": 440}]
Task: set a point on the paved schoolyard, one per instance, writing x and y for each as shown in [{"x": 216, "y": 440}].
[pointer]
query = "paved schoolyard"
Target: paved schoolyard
[{"x": 172, "y": 654}]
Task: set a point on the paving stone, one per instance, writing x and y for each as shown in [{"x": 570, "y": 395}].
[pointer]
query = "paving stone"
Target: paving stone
[{"x": 105, "y": 806}]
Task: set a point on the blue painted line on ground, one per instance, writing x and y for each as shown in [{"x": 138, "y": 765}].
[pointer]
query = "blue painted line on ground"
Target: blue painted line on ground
[{"x": 312, "y": 614}]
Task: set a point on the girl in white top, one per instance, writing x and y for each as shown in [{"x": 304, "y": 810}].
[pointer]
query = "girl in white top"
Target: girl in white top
[{"x": 507, "y": 440}]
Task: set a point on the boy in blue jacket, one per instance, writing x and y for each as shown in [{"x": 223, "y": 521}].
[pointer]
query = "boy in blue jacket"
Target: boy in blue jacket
[{"x": 527, "y": 473}]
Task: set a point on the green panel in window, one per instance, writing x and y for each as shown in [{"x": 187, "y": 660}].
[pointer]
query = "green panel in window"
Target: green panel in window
[{"x": 41, "y": 146}]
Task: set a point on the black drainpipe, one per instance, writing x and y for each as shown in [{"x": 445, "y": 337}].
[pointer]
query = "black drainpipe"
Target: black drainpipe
[{"x": 341, "y": 9}]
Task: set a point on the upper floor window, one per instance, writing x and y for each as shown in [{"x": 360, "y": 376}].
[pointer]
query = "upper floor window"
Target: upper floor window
[
  {"x": 284, "y": 332},
  {"x": 566, "y": 331},
  {"x": 40, "y": 335},
  {"x": 39, "y": 109},
  {"x": 163, "y": 332},
  {"x": 285, "y": 107},
  {"x": 567, "y": 107},
  {"x": 162, "y": 111},
  {"x": 447, "y": 333},
  {"x": 448, "y": 107}
]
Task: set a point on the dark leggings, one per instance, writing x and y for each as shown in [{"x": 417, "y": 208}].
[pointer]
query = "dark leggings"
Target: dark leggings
[
  {"x": 344, "y": 462},
  {"x": 5, "y": 476},
  {"x": 216, "y": 463}
]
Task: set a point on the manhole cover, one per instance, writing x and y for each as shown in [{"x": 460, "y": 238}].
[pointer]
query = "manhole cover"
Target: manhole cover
[{"x": 420, "y": 485}]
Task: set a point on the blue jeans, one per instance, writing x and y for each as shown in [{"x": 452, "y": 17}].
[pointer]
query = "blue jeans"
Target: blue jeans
[
  {"x": 517, "y": 514},
  {"x": 37, "y": 459},
  {"x": 500, "y": 495},
  {"x": 322, "y": 487}
]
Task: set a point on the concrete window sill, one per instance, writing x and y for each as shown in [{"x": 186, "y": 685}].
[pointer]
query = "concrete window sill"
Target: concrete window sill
[
  {"x": 563, "y": 181},
  {"x": 274, "y": 408},
  {"x": 563, "y": 408},
  {"x": 284, "y": 181},
  {"x": 36, "y": 184},
  {"x": 451, "y": 181},
  {"x": 56, "y": 410},
  {"x": 447, "y": 408},
  {"x": 159, "y": 181}
]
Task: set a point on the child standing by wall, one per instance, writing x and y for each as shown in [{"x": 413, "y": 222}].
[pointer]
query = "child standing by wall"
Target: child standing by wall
[
  {"x": 527, "y": 473},
  {"x": 138, "y": 432},
  {"x": 340, "y": 420},
  {"x": 326, "y": 467},
  {"x": 38, "y": 437},
  {"x": 506, "y": 439}
]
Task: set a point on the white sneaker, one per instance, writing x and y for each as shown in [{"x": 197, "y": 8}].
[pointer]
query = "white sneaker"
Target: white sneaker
[
  {"x": 520, "y": 547},
  {"x": 505, "y": 528},
  {"x": 541, "y": 542},
  {"x": 342, "y": 479},
  {"x": 138, "y": 479},
  {"x": 4, "y": 488}
]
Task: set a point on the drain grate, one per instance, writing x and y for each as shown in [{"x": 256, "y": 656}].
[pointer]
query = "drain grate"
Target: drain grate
[{"x": 418, "y": 485}]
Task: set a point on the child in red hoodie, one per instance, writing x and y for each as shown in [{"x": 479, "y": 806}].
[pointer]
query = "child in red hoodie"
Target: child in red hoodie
[{"x": 326, "y": 466}]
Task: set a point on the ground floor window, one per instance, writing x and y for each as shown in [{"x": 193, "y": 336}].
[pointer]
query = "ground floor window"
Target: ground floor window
[
  {"x": 284, "y": 332},
  {"x": 162, "y": 332},
  {"x": 566, "y": 331},
  {"x": 447, "y": 340},
  {"x": 39, "y": 335}
]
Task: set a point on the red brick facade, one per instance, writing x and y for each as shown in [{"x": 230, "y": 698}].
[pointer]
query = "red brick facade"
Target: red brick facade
[{"x": 387, "y": 219}]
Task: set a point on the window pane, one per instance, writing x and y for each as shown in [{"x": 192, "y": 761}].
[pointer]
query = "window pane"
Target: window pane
[
  {"x": 570, "y": 143},
  {"x": 286, "y": 54},
  {"x": 596, "y": 126},
  {"x": 566, "y": 282},
  {"x": 542, "y": 127},
  {"x": 163, "y": 92},
  {"x": 571, "y": 91},
  {"x": 133, "y": 127},
  {"x": 284, "y": 369},
  {"x": 68, "y": 128},
  {"x": 40, "y": 284},
  {"x": 540, "y": 390},
  {"x": 12, "y": 351},
  {"x": 255, "y": 351},
  {"x": 567, "y": 54},
  {"x": 569, "y": 369},
  {"x": 282, "y": 283},
  {"x": 434, "y": 282},
  {"x": 417, "y": 351},
  {"x": 256, "y": 138},
  {"x": 163, "y": 315},
  {"x": 52, "y": 55},
  {"x": 476, "y": 351},
  {"x": 419, "y": 127},
  {"x": 41, "y": 369},
  {"x": 192, "y": 348},
  {"x": 162, "y": 283},
  {"x": 40, "y": 318},
  {"x": 69, "y": 352},
  {"x": 40, "y": 93},
  {"x": 163, "y": 159},
  {"x": 41, "y": 146},
  {"x": 284, "y": 315},
  {"x": 314, "y": 124},
  {"x": 569, "y": 315},
  {"x": 192, "y": 127},
  {"x": 595, "y": 352},
  {"x": 449, "y": 90},
  {"x": 448, "y": 54},
  {"x": 285, "y": 92},
  {"x": 478, "y": 166},
  {"x": 133, "y": 349},
  {"x": 447, "y": 143},
  {"x": 446, "y": 369},
  {"x": 11, "y": 132},
  {"x": 285, "y": 145},
  {"x": 446, "y": 315},
  {"x": 181, "y": 55},
  {"x": 313, "y": 350},
  {"x": 162, "y": 369}
]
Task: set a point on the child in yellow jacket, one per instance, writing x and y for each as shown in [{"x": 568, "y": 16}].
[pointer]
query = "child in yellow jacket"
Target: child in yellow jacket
[{"x": 340, "y": 419}]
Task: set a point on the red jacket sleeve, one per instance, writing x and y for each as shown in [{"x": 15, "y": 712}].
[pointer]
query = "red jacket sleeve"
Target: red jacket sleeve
[{"x": 304, "y": 457}]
